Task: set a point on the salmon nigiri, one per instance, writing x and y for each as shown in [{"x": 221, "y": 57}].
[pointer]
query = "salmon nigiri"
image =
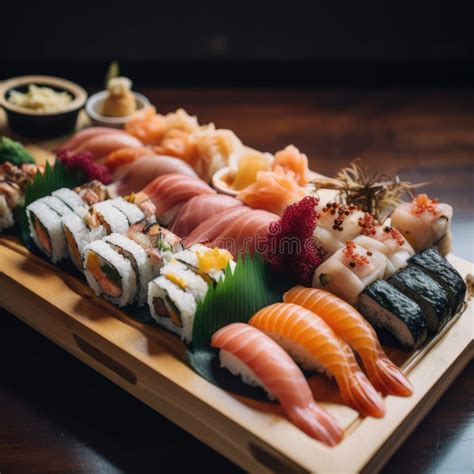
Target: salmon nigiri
[
  {"x": 353, "y": 328},
  {"x": 260, "y": 361},
  {"x": 313, "y": 343}
]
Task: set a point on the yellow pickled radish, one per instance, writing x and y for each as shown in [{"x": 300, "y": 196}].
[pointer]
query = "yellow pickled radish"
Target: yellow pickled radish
[
  {"x": 177, "y": 280},
  {"x": 249, "y": 166},
  {"x": 215, "y": 259}
]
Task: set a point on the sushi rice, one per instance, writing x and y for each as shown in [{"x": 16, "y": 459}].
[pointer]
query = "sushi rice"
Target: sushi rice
[
  {"x": 46, "y": 230},
  {"x": 70, "y": 198},
  {"x": 109, "y": 257},
  {"x": 131, "y": 211},
  {"x": 114, "y": 221},
  {"x": 141, "y": 263}
]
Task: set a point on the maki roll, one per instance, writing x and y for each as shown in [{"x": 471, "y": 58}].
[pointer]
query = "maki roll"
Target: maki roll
[
  {"x": 209, "y": 264},
  {"x": 438, "y": 268},
  {"x": 387, "y": 308},
  {"x": 78, "y": 235},
  {"x": 173, "y": 298},
  {"x": 424, "y": 222},
  {"x": 390, "y": 242},
  {"x": 109, "y": 273},
  {"x": 46, "y": 230},
  {"x": 71, "y": 199},
  {"x": 56, "y": 204},
  {"x": 141, "y": 263},
  {"x": 106, "y": 214},
  {"x": 131, "y": 211},
  {"x": 429, "y": 294},
  {"x": 337, "y": 224},
  {"x": 349, "y": 271}
]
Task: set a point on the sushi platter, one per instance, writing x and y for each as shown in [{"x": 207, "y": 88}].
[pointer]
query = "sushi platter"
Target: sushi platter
[{"x": 185, "y": 267}]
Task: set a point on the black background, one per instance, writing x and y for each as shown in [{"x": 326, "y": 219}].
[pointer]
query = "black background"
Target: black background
[{"x": 238, "y": 43}]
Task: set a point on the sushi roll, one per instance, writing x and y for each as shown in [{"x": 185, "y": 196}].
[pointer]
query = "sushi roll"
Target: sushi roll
[
  {"x": 71, "y": 199},
  {"x": 424, "y": 222},
  {"x": 131, "y": 211},
  {"x": 159, "y": 243},
  {"x": 391, "y": 243},
  {"x": 172, "y": 307},
  {"x": 56, "y": 205},
  {"x": 438, "y": 268},
  {"x": 46, "y": 230},
  {"x": 185, "y": 279},
  {"x": 106, "y": 214},
  {"x": 109, "y": 273},
  {"x": 349, "y": 271},
  {"x": 141, "y": 263},
  {"x": 209, "y": 264},
  {"x": 315, "y": 346},
  {"x": 78, "y": 235},
  {"x": 248, "y": 352},
  {"x": 336, "y": 225},
  {"x": 387, "y": 308},
  {"x": 429, "y": 294}
]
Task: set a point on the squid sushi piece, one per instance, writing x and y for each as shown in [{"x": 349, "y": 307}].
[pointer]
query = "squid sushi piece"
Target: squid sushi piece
[
  {"x": 424, "y": 222},
  {"x": 313, "y": 344},
  {"x": 349, "y": 271},
  {"x": 353, "y": 328},
  {"x": 248, "y": 352},
  {"x": 390, "y": 242},
  {"x": 109, "y": 273},
  {"x": 337, "y": 224}
]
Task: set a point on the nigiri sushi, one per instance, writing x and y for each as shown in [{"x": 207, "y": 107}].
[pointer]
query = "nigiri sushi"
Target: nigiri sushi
[
  {"x": 309, "y": 339},
  {"x": 103, "y": 144},
  {"x": 134, "y": 177},
  {"x": 337, "y": 224},
  {"x": 390, "y": 242},
  {"x": 170, "y": 192},
  {"x": 124, "y": 156},
  {"x": 198, "y": 209},
  {"x": 273, "y": 191},
  {"x": 349, "y": 271},
  {"x": 214, "y": 226},
  {"x": 424, "y": 222},
  {"x": 247, "y": 233},
  {"x": 247, "y": 352},
  {"x": 85, "y": 134},
  {"x": 354, "y": 329}
]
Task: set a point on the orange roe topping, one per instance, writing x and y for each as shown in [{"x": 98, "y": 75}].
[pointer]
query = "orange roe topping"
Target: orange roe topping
[
  {"x": 350, "y": 253},
  {"x": 422, "y": 203},
  {"x": 395, "y": 233},
  {"x": 367, "y": 222}
]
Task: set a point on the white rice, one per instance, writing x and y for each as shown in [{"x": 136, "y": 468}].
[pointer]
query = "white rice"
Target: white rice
[
  {"x": 6, "y": 215},
  {"x": 120, "y": 263},
  {"x": 237, "y": 367},
  {"x": 112, "y": 216},
  {"x": 184, "y": 301},
  {"x": 131, "y": 211},
  {"x": 56, "y": 205},
  {"x": 81, "y": 235},
  {"x": 70, "y": 198},
  {"x": 140, "y": 262},
  {"x": 52, "y": 223},
  {"x": 194, "y": 283}
]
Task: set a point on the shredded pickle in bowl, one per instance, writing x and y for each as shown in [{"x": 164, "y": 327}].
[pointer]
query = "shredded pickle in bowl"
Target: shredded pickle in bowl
[{"x": 42, "y": 99}]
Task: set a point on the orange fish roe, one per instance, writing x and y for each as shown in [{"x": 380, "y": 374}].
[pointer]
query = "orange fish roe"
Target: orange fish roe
[
  {"x": 368, "y": 222},
  {"x": 396, "y": 234},
  {"x": 350, "y": 253},
  {"x": 422, "y": 203}
]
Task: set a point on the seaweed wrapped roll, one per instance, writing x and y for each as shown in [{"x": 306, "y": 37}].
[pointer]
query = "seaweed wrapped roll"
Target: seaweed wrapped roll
[
  {"x": 386, "y": 307},
  {"x": 438, "y": 268}
]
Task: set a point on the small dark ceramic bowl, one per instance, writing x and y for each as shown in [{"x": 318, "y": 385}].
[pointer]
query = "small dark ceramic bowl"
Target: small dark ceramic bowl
[{"x": 37, "y": 124}]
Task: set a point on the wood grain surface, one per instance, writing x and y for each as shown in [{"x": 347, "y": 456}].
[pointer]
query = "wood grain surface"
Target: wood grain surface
[{"x": 57, "y": 415}]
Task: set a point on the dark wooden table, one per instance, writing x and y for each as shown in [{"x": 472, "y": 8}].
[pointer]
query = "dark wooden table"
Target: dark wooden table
[{"x": 58, "y": 415}]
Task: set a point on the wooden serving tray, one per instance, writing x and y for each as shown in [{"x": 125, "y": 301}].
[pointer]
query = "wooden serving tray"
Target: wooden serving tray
[{"x": 149, "y": 363}]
